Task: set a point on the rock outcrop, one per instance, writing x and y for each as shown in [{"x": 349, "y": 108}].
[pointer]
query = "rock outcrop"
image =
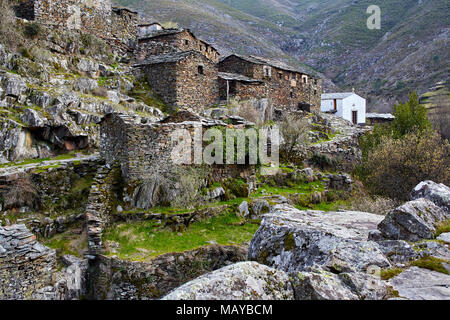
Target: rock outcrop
[
  {"x": 422, "y": 284},
  {"x": 437, "y": 193},
  {"x": 293, "y": 240},
  {"x": 241, "y": 281},
  {"x": 412, "y": 221}
]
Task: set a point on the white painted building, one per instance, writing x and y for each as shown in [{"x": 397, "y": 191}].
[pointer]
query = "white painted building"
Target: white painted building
[
  {"x": 148, "y": 29},
  {"x": 347, "y": 105}
]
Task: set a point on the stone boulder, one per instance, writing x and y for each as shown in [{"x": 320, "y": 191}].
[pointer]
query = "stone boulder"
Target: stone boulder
[
  {"x": 421, "y": 284},
  {"x": 437, "y": 193},
  {"x": 444, "y": 237},
  {"x": 292, "y": 240},
  {"x": 320, "y": 285},
  {"x": 412, "y": 221},
  {"x": 241, "y": 281}
]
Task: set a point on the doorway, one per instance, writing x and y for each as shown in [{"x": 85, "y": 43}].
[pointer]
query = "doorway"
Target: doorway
[{"x": 355, "y": 117}]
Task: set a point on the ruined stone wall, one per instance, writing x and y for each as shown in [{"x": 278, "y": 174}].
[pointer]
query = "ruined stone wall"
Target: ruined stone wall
[
  {"x": 196, "y": 90},
  {"x": 124, "y": 24},
  {"x": 91, "y": 16},
  {"x": 126, "y": 280},
  {"x": 26, "y": 266},
  {"x": 177, "y": 42}
]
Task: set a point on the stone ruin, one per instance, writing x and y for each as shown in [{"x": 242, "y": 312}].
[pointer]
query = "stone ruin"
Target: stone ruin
[
  {"x": 92, "y": 16},
  {"x": 26, "y": 266}
]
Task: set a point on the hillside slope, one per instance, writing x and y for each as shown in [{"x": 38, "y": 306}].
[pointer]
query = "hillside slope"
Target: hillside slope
[{"x": 410, "y": 52}]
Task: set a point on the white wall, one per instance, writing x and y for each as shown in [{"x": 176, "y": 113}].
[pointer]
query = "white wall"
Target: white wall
[
  {"x": 354, "y": 103},
  {"x": 346, "y": 106},
  {"x": 328, "y": 105}
]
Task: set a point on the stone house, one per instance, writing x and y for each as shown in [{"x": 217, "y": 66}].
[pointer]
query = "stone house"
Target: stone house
[
  {"x": 287, "y": 87},
  {"x": 187, "y": 80},
  {"x": 175, "y": 40},
  {"x": 241, "y": 87},
  {"x": 97, "y": 17}
]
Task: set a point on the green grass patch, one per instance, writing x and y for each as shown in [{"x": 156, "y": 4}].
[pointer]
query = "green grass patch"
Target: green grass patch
[
  {"x": 145, "y": 240},
  {"x": 443, "y": 227},
  {"x": 387, "y": 274},
  {"x": 431, "y": 263}
]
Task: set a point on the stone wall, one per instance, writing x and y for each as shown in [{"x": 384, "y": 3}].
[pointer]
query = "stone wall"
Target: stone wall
[
  {"x": 26, "y": 266},
  {"x": 126, "y": 280},
  {"x": 91, "y": 16},
  {"x": 181, "y": 83},
  {"x": 177, "y": 41},
  {"x": 242, "y": 90},
  {"x": 286, "y": 89}
]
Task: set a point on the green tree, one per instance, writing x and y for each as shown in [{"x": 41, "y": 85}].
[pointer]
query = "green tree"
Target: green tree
[{"x": 410, "y": 117}]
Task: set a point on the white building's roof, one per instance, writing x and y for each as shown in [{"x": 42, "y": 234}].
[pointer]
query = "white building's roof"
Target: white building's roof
[
  {"x": 336, "y": 95},
  {"x": 379, "y": 116}
]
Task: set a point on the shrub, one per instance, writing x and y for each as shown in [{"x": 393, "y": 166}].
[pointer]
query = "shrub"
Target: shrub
[
  {"x": 323, "y": 161},
  {"x": 9, "y": 34},
  {"x": 396, "y": 166},
  {"x": 377, "y": 205},
  {"x": 21, "y": 193},
  {"x": 294, "y": 132},
  {"x": 100, "y": 92},
  {"x": 32, "y": 30},
  {"x": 246, "y": 110}
]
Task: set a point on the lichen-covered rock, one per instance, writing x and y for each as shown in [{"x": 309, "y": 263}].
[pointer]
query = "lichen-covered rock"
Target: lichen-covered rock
[
  {"x": 32, "y": 118},
  {"x": 241, "y": 281},
  {"x": 437, "y": 193},
  {"x": 320, "y": 285},
  {"x": 422, "y": 284},
  {"x": 293, "y": 240},
  {"x": 412, "y": 221},
  {"x": 397, "y": 251},
  {"x": 85, "y": 85},
  {"x": 444, "y": 237}
]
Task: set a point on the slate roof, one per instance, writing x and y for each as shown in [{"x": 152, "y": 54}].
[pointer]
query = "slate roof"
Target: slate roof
[
  {"x": 270, "y": 62},
  {"x": 168, "y": 57},
  {"x": 166, "y": 32},
  {"x": 336, "y": 95},
  {"x": 237, "y": 77},
  {"x": 380, "y": 116}
]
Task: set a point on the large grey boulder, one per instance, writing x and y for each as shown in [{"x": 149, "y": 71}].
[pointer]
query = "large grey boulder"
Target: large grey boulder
[
  {"x": 320, "y": 285},
  {"x": 412, "y": 221},
  {"x": 437, "y": 193},
  {"x": 421, "y": 284},
  {"x": 241, "y": 281},
  {"x": 444, "y": 237},
  {"x": 293, "y": 240}
]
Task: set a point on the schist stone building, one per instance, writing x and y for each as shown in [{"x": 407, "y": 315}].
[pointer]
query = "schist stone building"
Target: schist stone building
[
  {"x": 92, "y": 16},
  {"x": 186, "y": 79},
  {"x": 287, "y": 87},
  {"x": 175, "y": 40}
]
